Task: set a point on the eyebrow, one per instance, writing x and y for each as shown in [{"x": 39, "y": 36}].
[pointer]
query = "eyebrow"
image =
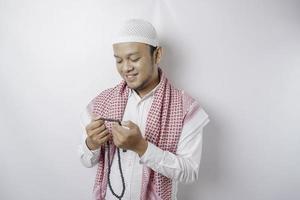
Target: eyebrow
[{"x": 128, "y": 54}]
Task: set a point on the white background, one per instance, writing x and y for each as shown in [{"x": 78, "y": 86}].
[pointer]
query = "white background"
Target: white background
[{"x": 240, "y": 59}]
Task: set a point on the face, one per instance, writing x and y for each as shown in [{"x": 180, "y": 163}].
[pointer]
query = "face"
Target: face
[{"x": 136, "y": 66}]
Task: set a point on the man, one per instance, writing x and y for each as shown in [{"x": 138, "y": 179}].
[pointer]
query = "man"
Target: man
[{"x": 160, "y": 135}]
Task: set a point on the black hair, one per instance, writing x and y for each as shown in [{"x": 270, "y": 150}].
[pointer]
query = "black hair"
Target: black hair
[{"x": 152, "y": 49}]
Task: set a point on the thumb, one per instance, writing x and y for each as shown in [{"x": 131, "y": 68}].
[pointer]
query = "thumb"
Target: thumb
[{"x": 128, "y": 124}]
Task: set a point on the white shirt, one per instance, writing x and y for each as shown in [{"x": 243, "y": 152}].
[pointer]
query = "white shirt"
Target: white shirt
[{"x": 182, "y": 167}]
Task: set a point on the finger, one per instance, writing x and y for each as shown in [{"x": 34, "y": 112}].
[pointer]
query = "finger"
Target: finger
[
  {"x": 104, "y": 139},
  {"x": 128, "y": 124},
  {"x": 118, "y": 127},
  {"x": 97, "y": 137},
  {"x": 116, "y": 132},
  {"x": 97, "y": 119},
  {"x": 94, "y": 124},
  {"x": 116, "y": 139},
  {"x": 122, "y": 128},
  {"x": 102, "y": 134},
  {"x": 96, "y": 131}
]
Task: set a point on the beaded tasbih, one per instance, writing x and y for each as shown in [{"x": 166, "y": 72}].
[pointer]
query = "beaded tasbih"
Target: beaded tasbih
[
  {"x": 119, "y": 163},
  {"x": 121, "y": 173}
]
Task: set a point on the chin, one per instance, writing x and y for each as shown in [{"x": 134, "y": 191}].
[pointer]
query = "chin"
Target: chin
[{"x": 132, "y": 86}]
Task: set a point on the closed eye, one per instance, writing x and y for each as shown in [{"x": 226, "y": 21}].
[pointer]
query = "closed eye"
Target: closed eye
[
  {"x": 135, "y": 60},
  {"x": 118, "y": 60}
]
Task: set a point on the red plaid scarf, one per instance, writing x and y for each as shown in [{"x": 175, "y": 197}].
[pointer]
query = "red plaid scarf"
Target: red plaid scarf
[{"x": 163, "y": 127}]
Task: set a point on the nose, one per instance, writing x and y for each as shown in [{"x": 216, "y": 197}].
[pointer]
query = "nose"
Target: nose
[{"x": 127, "y": 66}]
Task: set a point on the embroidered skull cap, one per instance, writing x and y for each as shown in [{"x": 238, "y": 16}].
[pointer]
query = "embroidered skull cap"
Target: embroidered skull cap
[{"x": 137, "y": 30}]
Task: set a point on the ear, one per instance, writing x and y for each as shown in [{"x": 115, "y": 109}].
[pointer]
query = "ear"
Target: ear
[{"x": 158, "y": 55}]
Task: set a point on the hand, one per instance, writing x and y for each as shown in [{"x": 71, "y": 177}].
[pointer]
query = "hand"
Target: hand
[
  {"x": 128, "y": 136},
  {"x": 97, "y": 134}
]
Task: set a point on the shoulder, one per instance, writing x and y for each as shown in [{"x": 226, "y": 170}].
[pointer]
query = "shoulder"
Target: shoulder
[
  {"x": 194, "y": 112},
  {"x": 188, "y": 100},
  {"x": 191, "y": 106}
]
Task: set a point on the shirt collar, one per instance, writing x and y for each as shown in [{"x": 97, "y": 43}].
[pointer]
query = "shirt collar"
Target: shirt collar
[{"x": 133, "y": 92}]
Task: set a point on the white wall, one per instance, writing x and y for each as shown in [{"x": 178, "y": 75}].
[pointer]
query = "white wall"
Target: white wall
[{"x": 240, "y": 59}]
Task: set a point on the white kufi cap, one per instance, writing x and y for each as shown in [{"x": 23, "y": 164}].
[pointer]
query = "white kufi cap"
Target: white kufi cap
[{"x": 137, "y": 30}]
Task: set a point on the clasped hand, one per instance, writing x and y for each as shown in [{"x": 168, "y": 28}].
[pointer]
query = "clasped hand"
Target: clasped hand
[
  {"x": 128, "y": 136},
  {"x": 125, "y": 136}
]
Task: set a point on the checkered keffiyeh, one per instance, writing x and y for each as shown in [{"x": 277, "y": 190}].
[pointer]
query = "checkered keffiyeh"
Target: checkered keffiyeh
[{"x": 171, "y": 107}]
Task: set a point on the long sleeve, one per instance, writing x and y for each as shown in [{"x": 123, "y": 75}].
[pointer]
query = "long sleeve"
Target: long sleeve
[
  {"x": 183, "y": 166},
  {"x": 88, "y": 158}
]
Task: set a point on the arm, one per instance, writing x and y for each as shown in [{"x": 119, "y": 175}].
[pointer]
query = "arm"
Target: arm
[{"x": 183, "y": 166}]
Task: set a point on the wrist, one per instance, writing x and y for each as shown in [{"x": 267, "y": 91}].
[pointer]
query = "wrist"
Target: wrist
[{"x": 141, "y": 147}]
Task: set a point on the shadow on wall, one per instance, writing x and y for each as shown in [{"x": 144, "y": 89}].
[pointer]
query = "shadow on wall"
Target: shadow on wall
[{"x": 209, "y": 167}]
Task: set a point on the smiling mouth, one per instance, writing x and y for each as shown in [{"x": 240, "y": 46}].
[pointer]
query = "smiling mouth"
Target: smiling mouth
[{"x": 130, "y": 77}]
